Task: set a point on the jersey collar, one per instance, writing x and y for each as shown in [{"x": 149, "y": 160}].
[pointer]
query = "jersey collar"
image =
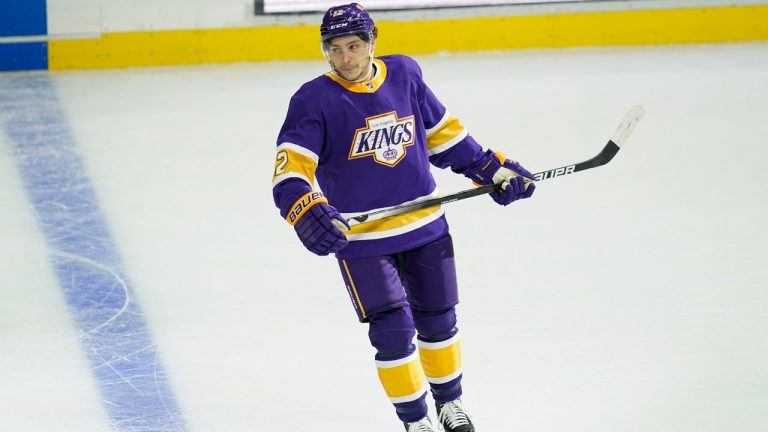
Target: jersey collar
[{"x": 367, "y": 86}]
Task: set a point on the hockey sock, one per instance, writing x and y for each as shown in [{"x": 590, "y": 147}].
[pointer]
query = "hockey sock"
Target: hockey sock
[
  {"x": 441, "y": 361},
  {"x": 391, "y": 333},
  {"x": 403, "y": 381}
]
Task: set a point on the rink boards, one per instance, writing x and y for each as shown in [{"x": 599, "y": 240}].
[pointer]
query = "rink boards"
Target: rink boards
[
  {"x": 729, "y": 23},
  {"x": 638, "y": 27}
]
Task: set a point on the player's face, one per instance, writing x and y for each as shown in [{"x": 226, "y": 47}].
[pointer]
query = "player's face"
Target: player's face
[{"x": 351, "y": 57}]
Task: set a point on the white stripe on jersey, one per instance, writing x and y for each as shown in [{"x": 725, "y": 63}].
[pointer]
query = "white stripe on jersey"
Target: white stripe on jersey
[
  {"x": 288, "y": 175},
  {"x": 439, "y": 124},
  {"x": 396, "y": 231},
  {"x": 434, "y": 194},
  {"x": 448, "y": 144},
  {"x": 399, "y": 230},
  {"x": 300, "y": 150}
]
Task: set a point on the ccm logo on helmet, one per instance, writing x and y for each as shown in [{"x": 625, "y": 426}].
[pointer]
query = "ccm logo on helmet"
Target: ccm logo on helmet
[{"x": 335, "y": 26}]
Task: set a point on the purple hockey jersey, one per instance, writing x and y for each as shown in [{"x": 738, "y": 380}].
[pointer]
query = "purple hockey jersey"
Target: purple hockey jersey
[{"x": 369, "y": 146}]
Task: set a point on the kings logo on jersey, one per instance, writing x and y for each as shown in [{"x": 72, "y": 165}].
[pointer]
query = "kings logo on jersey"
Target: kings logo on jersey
[{"x": 384, "y": 138}]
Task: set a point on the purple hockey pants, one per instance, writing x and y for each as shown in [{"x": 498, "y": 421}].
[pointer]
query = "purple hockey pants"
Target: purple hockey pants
[{"x": 402, "y": 295}]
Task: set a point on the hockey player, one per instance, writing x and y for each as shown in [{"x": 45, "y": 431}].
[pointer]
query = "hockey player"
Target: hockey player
[{"x": 367, "y": 131}]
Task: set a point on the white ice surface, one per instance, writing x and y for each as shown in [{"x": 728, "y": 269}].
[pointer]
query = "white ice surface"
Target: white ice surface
[
  {"x": 627, "y": 298},
  {"x": 45, "y": 381}
]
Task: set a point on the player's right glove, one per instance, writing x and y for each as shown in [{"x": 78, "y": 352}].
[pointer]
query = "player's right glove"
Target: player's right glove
[
  {"x": 318, "y": 224},
  {"x": 516, "y": 181}
]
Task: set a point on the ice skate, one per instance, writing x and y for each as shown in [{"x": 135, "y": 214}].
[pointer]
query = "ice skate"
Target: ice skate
[
  {"x": 451, "y": 417},
  {"x": 423, "y": 425}
]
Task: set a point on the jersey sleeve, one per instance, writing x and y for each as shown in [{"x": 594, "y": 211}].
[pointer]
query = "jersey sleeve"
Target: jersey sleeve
[
  {"x": 449, "y": 144},
  {"x": 298, "y": 146}
]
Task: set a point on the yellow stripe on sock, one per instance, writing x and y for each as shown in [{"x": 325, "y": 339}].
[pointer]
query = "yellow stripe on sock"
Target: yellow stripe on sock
[
  {"x": 441, "y": 361},
  {"x": 402, "y": 378}
]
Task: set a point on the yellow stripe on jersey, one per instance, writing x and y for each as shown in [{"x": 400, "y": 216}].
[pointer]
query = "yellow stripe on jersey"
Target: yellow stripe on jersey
[
  {"x": 293, "y": 161},
  {"x": 441, "y": 361},
  {"x": 392, "y": 222},
  {"x": 443, "y": 138},
  {"x": 403, "y": 380}
]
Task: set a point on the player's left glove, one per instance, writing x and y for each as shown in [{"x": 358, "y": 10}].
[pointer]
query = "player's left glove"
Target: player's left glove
[{"x": 494, "y": 167}]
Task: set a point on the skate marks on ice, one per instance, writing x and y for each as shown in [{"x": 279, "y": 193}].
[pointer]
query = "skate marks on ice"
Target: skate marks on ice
[{"x": 112, "y": 331}]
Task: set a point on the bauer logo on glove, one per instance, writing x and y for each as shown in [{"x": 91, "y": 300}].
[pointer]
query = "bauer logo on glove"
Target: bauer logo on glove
[{"x": 303, "y": 204}]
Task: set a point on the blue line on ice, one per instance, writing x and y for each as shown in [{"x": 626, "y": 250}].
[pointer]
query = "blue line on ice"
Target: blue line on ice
[{"x": 133, "y": 384}]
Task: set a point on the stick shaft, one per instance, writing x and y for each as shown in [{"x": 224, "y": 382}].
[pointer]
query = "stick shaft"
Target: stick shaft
[{"x": 606, "y": 154}]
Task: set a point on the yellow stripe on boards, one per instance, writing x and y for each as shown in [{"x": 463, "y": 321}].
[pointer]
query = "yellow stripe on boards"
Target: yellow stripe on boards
[
  {"x": 403, "y": 380},
  {"x": 635, "y": 27},
  {"x": 631, "y": 27},
  {"x": 442, "y": 362},
  {"x": 179, "y": 47}
]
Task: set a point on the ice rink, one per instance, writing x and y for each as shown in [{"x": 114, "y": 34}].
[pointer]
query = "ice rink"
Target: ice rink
[{"x": 147, "y": 282}]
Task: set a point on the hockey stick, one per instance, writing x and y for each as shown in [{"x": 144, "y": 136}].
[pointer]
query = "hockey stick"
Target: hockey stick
[{"x": 627, "y": 125}]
